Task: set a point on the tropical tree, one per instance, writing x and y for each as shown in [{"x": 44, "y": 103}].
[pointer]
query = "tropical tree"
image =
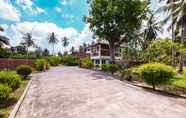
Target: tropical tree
[
  {"x": 112, "y": 20},
  {"x": 72, "y": 50},
  {"x": 28, "y": 41},
  {"x": 178, "y": 16},
  {"x": 150, "y": 32},
  {"x": 46, "y": 52},
  {"x": 52, "y": 39},
  {"x": 65, "y": 42},
  {"x": 3, "y": 39},
  {"x": 171, "y": 10}
]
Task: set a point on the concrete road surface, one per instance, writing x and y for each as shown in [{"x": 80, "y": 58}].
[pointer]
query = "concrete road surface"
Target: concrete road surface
[{"x": 71, "y": 92}]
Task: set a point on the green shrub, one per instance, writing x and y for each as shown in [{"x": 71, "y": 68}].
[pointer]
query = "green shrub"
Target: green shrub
[
  {"x": 54, "y": 60},
  {"x": 24, "y": 70},
  {"x": 69, "y": 60},
  {"x": 104, "y": 67},
  {"x": 11, "y": 79},
  {"x": 40, "y": 64},
  {"x": 112, "y": 68},
  {"x": 4, "y": 93},
  {"x": 87, "y": 63},
  {"x": 130, "y": 74},
  {"x": 156, "y": 73}
]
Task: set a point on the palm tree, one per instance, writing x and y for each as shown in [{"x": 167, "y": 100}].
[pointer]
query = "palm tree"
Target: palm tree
[
  {"x": 27, "y": 42},
  {"x": 3, "y": 39},
  {"x": 172, "y": 24},
  {"x": 150, "y": 32},
  {"x": 178, "y": 16},
  {"x": 65, "y": 42},
  {"x": 72, "y": 50},
  {"x": 52, "y": 39}
]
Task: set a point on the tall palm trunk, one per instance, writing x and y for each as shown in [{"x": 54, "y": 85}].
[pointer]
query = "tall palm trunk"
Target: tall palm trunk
[
  {"x": 53, "y": 50},
  {"x": 173, "y": 36},
  {"x": 173, "y": 39},
  {"x": 183, "y": 29}
]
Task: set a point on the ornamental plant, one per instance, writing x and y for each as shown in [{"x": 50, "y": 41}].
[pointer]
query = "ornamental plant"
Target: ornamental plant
[{"x": 156, "y": 74}]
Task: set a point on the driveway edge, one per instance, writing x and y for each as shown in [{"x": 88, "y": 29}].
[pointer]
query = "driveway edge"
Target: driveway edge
[{"x": 20, "y": 101}]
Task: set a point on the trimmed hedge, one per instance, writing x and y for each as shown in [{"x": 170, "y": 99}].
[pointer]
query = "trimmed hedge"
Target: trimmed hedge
[
  {"x": 69, "y": 60},
  {"x": 40, "y": 64},
  {"x": 24, "y": 70},
  {"x": 54, "y": 60},
  {"x": 4, "y": 93},
  {"x": 156, "y": 73},
  {"x": 10, "y": 79},
  {"x": 87, "y": 63},
  {"x": 112, "y": 68}
]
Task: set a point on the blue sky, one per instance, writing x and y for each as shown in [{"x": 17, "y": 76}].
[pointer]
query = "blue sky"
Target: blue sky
[{"x": 65, "y": 17}]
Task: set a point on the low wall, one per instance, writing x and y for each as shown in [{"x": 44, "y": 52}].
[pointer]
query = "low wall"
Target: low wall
[{"x": 6, "y": 63}]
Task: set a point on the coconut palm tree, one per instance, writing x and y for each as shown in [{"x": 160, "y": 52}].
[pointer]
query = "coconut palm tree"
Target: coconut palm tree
[
  {"x": 172, "y": 24},
  {"x": 52, "y": 39},
  {"x": 178, "y": 16},
  {"x": 150, "y": 32},
  {"x": 27, "y": 42},
  {"x": 65, "y": 42},
  {"x": 3, "y": 39}
]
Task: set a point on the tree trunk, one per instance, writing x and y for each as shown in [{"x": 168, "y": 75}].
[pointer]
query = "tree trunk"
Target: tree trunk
[
  {"x": 181, "y": 53},
  {"x": 112, "y": 52},
  {"x": 53, "y": 50},
  {"x": 173, "y": 39}
]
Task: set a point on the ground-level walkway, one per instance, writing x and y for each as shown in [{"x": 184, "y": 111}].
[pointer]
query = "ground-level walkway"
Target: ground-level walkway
[{"x": 70, "y": 92}]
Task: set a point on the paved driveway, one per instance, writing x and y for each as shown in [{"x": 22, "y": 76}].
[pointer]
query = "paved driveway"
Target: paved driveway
[{"x": 70, "y": 92}]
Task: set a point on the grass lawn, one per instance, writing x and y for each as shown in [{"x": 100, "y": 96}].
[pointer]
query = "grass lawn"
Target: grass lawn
[
  {"x": 180, "y": 83},
  {"x": 7, "y": 107}
]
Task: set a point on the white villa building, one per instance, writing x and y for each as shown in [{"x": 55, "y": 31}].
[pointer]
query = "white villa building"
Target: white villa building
[{"x": 99, "y": 53}]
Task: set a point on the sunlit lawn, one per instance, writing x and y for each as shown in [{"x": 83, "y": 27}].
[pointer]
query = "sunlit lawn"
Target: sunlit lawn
[{"x": 7, "y": 107}]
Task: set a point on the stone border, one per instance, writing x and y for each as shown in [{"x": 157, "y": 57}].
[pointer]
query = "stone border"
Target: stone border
[{"x": 20, "y": 101}]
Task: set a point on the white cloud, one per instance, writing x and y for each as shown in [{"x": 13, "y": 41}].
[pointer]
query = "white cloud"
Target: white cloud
[
  {"x": 63, "y": 2},
  {"x": 57, "y": 9},
  {"x": 40, "y": 10},
  {"x": 86, "y": 36},
  {"x": 8, "y": 12},
  {"x": 29, "y": 5},
  {"x": 41, "y": 31}
]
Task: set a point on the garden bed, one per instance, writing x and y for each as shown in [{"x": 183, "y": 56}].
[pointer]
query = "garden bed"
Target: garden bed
[{"x": 7, "y": 107}]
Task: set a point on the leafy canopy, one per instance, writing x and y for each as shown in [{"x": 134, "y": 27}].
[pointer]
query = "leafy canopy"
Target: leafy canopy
[{"x": 113, "y": 20}]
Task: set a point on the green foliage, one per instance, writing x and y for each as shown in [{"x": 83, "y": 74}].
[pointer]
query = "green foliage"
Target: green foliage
[
  {"x": 87, "y": 63},
  {"x": 161, "y": 51},
  {"x": 113, "y": 19},
  {"x": 104, "y": 67},
  {"x": 40, "y": 64},
  {"x": 24, "y": 70},
  {"x": 54, "y": 60},
  {"x": 112, "y": 68},
  {"x": 69, "y": 60},
  {"x": 4, "y": 93},
  {"x": 156, "y": 73},
  {"x": 10, "y": 78},
  {"x": 179, "y": 82},
  {"x": 130, "y": 74},
  {"x": 4, "y": 53}
]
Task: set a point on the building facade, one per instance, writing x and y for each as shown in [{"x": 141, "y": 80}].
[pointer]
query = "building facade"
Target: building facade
[{"x": 99, "y": 53}]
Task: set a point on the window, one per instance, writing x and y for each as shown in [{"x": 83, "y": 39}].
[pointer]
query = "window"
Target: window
[
  {"x": 103, "y": 61},
  {"x": 97, "y": 62}
]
